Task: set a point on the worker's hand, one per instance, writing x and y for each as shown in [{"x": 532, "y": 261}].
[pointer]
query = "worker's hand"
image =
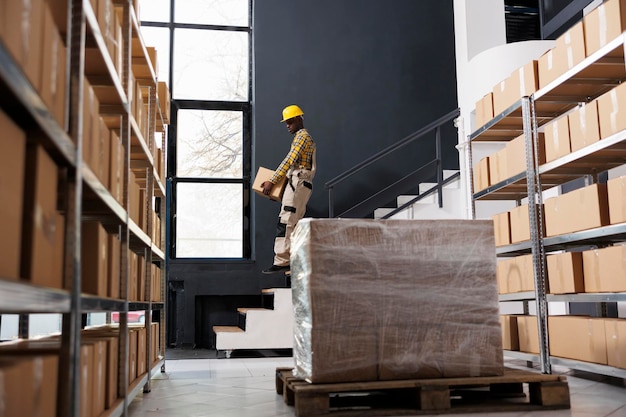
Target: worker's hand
[{"x": 267, "y": 187}]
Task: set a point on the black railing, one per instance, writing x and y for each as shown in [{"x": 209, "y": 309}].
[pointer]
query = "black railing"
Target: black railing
[{"x": 428, "y": 170}]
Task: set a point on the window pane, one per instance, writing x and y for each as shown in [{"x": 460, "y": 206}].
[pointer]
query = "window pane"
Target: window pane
[
  {"x": 160, "y": 39},
  {"x": 210, "y": 65},
  {"x": 209, "y": 144},
  {"x": 154, "y": 10},
  {"x": 209, "y": 221},
  {"x": 212, "y": 12}
]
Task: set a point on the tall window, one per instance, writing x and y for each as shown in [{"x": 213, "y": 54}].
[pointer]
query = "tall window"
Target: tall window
[{"x": 204, "y": 52}]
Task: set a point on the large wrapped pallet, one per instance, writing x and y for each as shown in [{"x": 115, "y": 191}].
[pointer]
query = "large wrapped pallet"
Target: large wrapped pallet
[{"x": 395, "y": 299}]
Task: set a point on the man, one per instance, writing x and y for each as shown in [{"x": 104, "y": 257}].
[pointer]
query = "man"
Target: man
[{"x": 299, "y": 167}]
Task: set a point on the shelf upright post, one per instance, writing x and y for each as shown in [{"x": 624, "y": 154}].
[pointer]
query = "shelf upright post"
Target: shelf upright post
[
  {"x": 125, "y": 135},
  {"x": 148, "y": 216},
  {"x": 68, "y": 397},
  {"x": 470, "y": 176},
  {"x": 536, "y": 228}
]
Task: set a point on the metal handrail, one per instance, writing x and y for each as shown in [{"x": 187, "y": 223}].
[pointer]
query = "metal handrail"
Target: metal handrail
[{"x": 434, "y": 125}]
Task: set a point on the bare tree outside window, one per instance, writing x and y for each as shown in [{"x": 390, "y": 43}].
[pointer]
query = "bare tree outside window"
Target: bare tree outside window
[{"x": 210, "y": 144}]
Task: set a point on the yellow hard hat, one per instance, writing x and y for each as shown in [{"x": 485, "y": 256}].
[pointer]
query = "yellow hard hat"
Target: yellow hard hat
[{"x": 290, "y": 112}]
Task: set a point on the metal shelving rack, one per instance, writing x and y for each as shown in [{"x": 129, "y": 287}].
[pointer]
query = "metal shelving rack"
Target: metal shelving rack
[
  {"x": 596, "y": 75},
  {"x": 87, "y": 198}
]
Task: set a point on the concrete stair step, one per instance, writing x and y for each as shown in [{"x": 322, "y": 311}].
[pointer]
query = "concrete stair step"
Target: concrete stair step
[
  {"x": 431, "y": 198},
  {"x": 227, "y": 329},
  {"x": 264, "y": 328},
  {"x": 404, "y": 214},
  {"x": 425, "y": 186}
]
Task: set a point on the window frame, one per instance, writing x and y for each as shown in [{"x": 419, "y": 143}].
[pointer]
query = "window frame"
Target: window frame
[{"x": 245, "y": 107}]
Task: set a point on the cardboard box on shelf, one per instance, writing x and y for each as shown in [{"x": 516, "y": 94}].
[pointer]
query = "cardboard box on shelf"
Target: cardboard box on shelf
[
  {"x": 116, "y": 166},
  {"x": 142, "y": 358},
  {"x": 497, "y": 167},
  {"x": 94, "y": 259},
  {"x": 264, "y": 174},
  {"x": 132, "y": 355},
  {"x": 53, "y": 82},
  {"x": 501, "y": 275},
  {"x": 604, "y": 24},
  {"x": 98, "y": 375},
  {"x": 59, "y": 250},
  {"x": 510, "y": 335},
  {"x": 616, "y": 188},
  {"x": 502, "y": 228},
  {"x": 581, "y": 209},
  {"x": 519, "y": 274},
  {"x": 612, "y": 111},
  {"x": 528, "y": 332},
  {"x": 113, "y": 267},
  {"x": 484, "y": 110},
  {"x": 134, "y": 205},
  {"x": 40, "y": 225},
  {"x": 109, "y": 358},
  {"x": 584, "y": 127},
  {"x": 103, "y": 153},
  {"x": 22, "y": 34},
  {"x": 481, "y": 175},
  {"x": 522, "y": 82},
  {"x": 86, "y": 382},
  {"x": 163, "y": 93},
  {"x": 520, "y": 224},
  {"x": 568, "y": 51},
  {"x": 12, "y": 160},
  {"x": 30, "y": 387},
  {"x": 615, "y": 330},
  {"x": 604, "y": 269},
  {"x": 516, "y": 154},
  {"x": 141, "y": 278},
  {"x": 91, "y": 130},
  {"x": 565, "y": 273},
  {"x": 132, "y": 275},
  {"x": 589, "y": 344},
  {"x": 557, "y": 139}
]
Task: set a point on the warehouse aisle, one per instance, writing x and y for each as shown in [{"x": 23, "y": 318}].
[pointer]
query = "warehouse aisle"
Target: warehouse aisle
[{"x": 245, "y": 388}]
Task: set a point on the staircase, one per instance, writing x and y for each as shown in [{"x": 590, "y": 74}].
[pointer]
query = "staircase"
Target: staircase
[
  {"x": 270, "y": 327},
  {"x": 454, "y": 203}
]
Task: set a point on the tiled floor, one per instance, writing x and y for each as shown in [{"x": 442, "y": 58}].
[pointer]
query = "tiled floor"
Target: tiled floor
[{"x": 245, "y": 388}]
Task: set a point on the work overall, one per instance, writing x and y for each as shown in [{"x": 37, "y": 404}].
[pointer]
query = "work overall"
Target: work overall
[{"x": 295, "y": 198}]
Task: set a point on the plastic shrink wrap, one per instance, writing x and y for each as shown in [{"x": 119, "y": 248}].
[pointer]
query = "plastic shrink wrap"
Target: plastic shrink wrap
[{"x": 394, "y": 299}]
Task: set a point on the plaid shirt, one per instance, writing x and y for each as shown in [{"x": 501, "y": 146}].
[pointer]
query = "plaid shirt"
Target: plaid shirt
[{"x": 300, "y": 155}]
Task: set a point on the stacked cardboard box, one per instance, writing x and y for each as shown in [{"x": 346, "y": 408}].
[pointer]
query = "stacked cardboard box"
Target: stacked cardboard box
[{"x": 383, "y": 300}]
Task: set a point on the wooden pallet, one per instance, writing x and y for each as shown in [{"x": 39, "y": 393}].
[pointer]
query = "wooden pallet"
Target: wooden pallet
[{"x": 516, "y": 390}]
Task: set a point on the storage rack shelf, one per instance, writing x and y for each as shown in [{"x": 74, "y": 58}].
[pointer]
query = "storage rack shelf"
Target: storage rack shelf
[
  {"x": 86, "y": 197},
  {"x": 135, "y": 389},
  {"x": 595, "y": 75},
  {"x": 569, "y": 363}
]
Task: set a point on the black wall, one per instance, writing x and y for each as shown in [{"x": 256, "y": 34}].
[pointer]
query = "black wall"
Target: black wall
[{"x": 366, "y": 74}]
